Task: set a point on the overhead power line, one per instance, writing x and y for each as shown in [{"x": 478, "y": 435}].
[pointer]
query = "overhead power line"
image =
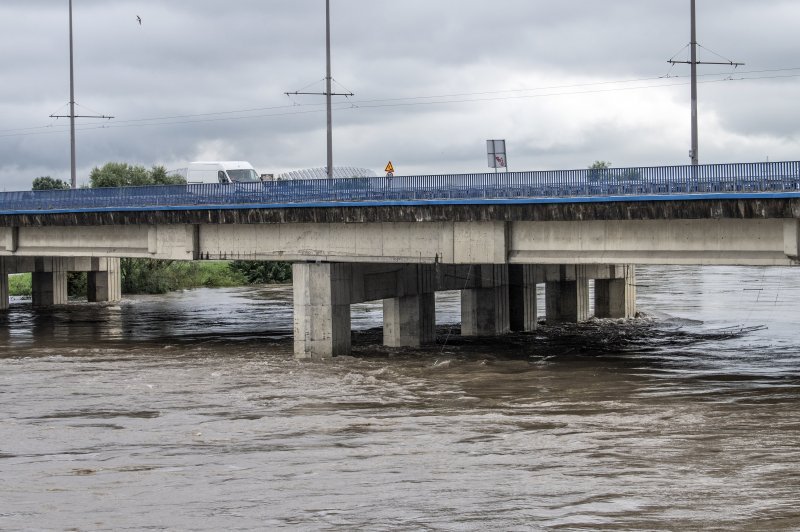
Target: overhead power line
[{"x": 408, "y": 101}]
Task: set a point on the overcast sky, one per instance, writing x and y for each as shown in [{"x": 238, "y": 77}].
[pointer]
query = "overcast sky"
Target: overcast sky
[{"x": 565, "y": 83}]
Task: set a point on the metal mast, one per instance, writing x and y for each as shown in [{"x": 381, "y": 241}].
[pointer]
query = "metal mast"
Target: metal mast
[
  {"x": 693, "y": 44},
  {"x": 328, "y": 84},
  {"x": 74, "y": 179},
  {"x": 694, "y": 62},
  {"x": 328, "y": 89},
  {"x": 72, "y": 116}
]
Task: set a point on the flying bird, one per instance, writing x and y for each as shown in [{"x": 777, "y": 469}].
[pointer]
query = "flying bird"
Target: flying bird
[{"x": 139, "y": 19}]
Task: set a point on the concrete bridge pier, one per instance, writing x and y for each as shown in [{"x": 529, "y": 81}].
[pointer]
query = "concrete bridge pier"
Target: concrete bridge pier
[
  {"x": 522, "y": 280},
  {"x": 615, "y": 297},
  {"x": 567, "y": 297},
  {"x": 104, "y": 281},
  {"x": 567, "y": 291},
  {"x": 3, "y": 284},
  {"x": 49, "y": 278},
  {"x": 485, "y": 307},
  {"x": 321, "y": 309},
  {"x": 49, "y": 282},
  {"x": 323, "y": 293},
  {"x": 409, "y": 321}
]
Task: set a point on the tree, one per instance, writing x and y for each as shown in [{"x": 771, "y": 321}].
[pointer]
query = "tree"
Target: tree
[
  {"x": 126, "y": 175},
  {"x": 49, "y": 183},
  {"x": 598, "y": 170},
  {"x": 159, "y": 276},
  {"x": 138, "y": 275}
]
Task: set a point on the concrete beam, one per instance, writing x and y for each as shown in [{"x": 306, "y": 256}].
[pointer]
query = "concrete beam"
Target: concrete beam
[
  {"x": 725, "y": 241},
  {"x": 73, "y": 264},
  {"x": 175, "y": 242},
  {"x": 321, "y": 310},
  {"x": 408, "y": 243},
  {"x": 760, "y": 242},
  {"x": 9, "y": 239},
  {"x": 373, "y": 282}
]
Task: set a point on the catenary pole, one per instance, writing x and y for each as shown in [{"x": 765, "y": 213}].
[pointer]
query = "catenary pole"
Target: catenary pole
[
  {"x": 693, "y": 62},
  {"x": 695, "y": 155},
  {"x": 72, "y": 116},
  {"x": 74, "y": 179},
  {"x": 328, "y": 84}
]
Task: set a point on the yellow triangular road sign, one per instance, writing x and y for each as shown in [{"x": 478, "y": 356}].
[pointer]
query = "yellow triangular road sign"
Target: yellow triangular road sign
[{"x": 389, "y": 167}]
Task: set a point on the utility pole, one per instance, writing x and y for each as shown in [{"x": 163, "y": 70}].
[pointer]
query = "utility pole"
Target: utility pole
[
  {"x": 74, "y": 180},
  {"x": 72, "y": 116},
  {"x": 694, "y": 62},
  {"x": 328, "y": 84},
  {"x": 328, "y": 89}
]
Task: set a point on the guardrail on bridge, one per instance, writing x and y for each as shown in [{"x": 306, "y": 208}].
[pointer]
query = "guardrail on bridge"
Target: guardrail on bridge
[{"x": 656, "y": 180}]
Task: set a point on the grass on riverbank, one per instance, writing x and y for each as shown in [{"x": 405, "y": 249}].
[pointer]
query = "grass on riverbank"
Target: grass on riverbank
[
  {"x": 145, "y": 277},
  {"x": 19, "y": 284}
]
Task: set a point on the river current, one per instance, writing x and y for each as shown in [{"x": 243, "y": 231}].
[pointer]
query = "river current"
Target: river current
[{"x": 188, "y": 412}]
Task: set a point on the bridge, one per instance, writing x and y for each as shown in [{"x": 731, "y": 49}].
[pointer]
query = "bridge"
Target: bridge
[{"x": 494, "y": 237}]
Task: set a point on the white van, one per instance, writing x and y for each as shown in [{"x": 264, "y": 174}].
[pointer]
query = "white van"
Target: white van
[{"x": 221, "y": 172}]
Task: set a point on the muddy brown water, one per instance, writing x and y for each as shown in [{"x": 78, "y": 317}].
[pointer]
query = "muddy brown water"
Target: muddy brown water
[{"x": 188, "y": 412}]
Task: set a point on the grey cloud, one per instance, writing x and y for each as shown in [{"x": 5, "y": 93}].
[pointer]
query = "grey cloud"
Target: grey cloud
[{"x": 205, "y": 56}]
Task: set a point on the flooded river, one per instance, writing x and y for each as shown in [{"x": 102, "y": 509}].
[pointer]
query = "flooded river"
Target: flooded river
[{"x": 188, "y": 412}]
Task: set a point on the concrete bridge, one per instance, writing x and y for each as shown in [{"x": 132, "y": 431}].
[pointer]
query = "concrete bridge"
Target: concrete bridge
[{"x": 494, "y": 237}]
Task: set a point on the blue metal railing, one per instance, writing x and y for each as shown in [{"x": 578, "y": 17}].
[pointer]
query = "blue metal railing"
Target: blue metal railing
[{"x": 643, "y": 181}]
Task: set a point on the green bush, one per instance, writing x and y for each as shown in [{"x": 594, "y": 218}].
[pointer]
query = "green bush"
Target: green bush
[
  {"x": 148, "y": 276},
  {"x": 19, "y": 284},
  {"x": 260, "y": 272}
]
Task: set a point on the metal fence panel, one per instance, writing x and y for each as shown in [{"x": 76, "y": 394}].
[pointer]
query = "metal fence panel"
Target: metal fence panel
[{"x": 601, "y": 182}]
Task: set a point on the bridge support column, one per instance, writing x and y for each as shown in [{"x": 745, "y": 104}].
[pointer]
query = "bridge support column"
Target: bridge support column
[
  {"x": 321, "y": 309},
  {"x": 104, "y": 281},
  {"x": 616, "y": 298},
  {"x": 567, "y": 300},
  {"x": 49, "y": 282},
  {"x": 409, "y": 321},
  {"x": 484, "y": 309},
  {"x": 522, "y": 297},
  {"x": 3, "y": 285}
]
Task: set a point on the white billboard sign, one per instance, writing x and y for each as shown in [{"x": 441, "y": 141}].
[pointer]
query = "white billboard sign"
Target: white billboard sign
[{"x": 496, "y": 152}]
